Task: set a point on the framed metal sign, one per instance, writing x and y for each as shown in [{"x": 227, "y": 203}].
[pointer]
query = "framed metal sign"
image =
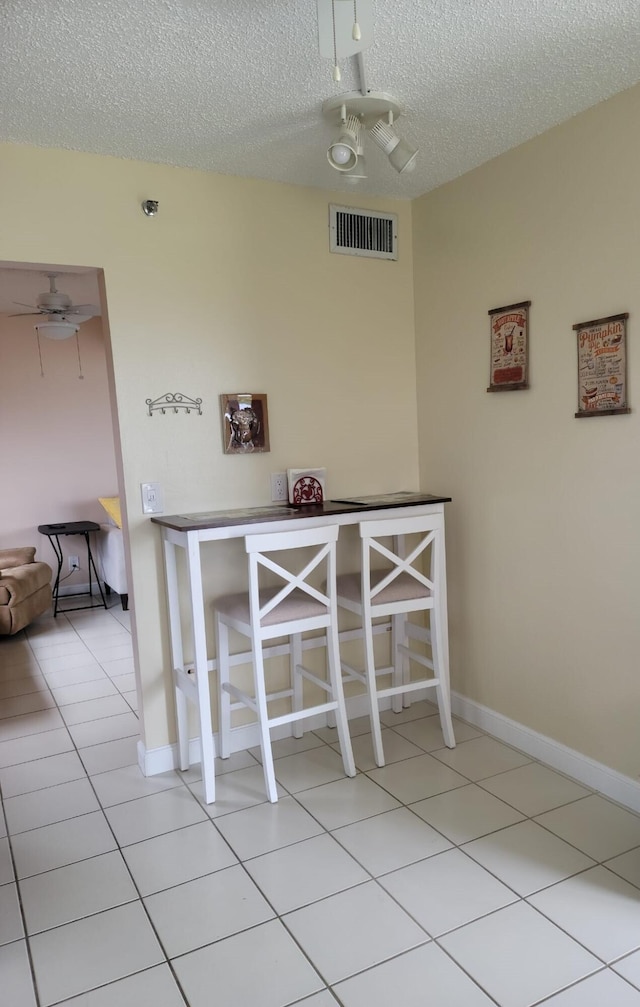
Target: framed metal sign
[
  {"x": 509, "y": 347},
  {"x": 602, "y": 366}
]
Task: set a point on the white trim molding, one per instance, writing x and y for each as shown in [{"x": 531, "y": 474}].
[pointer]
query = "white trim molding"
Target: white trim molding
[
  {"x": 163, "y": 760},
  {"x": 595, "y": 775}
]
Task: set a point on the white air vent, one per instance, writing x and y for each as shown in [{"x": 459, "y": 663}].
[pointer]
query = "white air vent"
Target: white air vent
[{"x": 363, "y": 232}]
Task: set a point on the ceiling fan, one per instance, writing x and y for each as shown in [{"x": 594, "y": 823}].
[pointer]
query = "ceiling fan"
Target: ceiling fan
[{"x": 61, "y": 316}]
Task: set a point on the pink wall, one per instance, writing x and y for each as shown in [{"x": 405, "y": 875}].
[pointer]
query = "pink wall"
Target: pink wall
[{"x": 56, "y": 440}]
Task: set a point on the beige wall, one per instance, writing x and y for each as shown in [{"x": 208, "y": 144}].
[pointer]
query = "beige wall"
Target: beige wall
[
  {"x": 56, "y": 450},
  {"x": 230, "y": 288},
  {"x": 543, "y": 532}
]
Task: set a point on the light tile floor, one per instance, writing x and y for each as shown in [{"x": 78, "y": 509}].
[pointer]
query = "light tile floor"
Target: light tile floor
[{"x": 460, "y": 878}]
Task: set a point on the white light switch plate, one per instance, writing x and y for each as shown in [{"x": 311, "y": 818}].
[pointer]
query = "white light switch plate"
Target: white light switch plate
[{"x": 152, "y": 502}]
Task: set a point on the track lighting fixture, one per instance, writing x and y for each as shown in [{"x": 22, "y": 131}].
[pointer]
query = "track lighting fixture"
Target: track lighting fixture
[
  {"x": 402, "y": 156},
  {"x": 345, "y": 30},
  {"x": 343, "y": 152},
  {"x": 356, "y": 113},
  {"x": 357, "y": 174}
]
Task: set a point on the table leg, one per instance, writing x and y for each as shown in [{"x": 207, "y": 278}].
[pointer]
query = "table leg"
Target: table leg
[
  {"x": 440, "y": 636},
  {"x": 57, "y": 548},
  {"x": 201, "y": 670},
  {"x": 400, "y": 661},
  {"x": 177, "y": 651}
]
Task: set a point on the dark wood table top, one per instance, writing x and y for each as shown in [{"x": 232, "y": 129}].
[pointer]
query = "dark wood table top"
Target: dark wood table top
[
  {"x": 68, "y": 528},
  {"x": 278, "y": 512}
]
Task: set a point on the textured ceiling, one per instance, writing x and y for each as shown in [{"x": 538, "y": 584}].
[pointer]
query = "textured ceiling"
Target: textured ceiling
[{"x": 236, "y": 86}]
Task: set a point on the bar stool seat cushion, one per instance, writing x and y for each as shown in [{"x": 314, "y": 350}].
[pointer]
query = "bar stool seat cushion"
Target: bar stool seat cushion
[
  {"x": 403, "y": 588},
  {"x": 296, "y": 605}
]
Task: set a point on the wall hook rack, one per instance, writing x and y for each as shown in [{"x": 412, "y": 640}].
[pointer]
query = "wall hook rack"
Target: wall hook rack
[{"x": 173, "y": 401}]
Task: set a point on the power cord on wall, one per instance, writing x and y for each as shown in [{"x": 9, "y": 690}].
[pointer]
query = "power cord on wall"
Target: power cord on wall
[{"x": 70, "y": 574}]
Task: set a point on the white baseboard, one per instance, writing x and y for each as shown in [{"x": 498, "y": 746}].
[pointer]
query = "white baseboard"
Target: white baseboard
[
  {"x": 595, "y": 775},
  {"x": 162, "y": 760}
]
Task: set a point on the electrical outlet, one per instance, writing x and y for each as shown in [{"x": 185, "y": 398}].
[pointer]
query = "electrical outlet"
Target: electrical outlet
[
  {"x": 74, "y": 563},
  {"x": 279, "y": 489},
  {"x": 151, "y": 498}
]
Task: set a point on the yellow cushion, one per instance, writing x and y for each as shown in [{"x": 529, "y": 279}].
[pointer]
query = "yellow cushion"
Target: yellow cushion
[{"x": 112, "y": 507}]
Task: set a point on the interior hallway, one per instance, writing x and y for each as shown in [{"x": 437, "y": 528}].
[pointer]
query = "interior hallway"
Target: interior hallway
[{"x": 459, "y": 878}]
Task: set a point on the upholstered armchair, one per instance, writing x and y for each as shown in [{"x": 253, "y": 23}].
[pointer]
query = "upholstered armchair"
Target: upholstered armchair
[{"x": 25, "y": 588}]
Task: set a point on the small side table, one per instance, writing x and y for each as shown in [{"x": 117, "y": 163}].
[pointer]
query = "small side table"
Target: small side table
[{"x": 84, "y": 528}]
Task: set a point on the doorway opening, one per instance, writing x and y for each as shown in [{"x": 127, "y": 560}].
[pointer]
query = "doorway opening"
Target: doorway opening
[{"x": 59, "y": 433}]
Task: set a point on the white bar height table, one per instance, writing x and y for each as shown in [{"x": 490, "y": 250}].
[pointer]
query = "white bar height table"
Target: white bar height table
[{"x": 190, "y": 531}]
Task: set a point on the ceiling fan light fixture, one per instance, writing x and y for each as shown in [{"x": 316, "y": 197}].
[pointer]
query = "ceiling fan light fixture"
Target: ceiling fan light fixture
[
  {"x": 56, "y": 330},
  {"x": 53, "y": 299},
  {"x": 56, "y": 308},
  {"x": 342, "y": 154}
]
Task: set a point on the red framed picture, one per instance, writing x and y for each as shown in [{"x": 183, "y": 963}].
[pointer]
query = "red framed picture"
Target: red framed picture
[{"x": 509, "y": 328}]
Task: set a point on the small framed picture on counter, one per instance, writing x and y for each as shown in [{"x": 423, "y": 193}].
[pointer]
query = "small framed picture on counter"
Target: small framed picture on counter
[
  {"x": 509, "y": 328},
  {"x": 602, "y": 366}
]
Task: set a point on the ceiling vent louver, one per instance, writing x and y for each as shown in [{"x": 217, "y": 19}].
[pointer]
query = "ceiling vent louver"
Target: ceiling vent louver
[{"x": 363, "y": 232}]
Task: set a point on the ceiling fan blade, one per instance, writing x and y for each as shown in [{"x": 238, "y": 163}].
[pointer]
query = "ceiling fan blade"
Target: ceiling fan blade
[
  {"x": 90, "y": 310},
  {"x": 25, "y": 314},
  {"x": 23, "y": 305}
]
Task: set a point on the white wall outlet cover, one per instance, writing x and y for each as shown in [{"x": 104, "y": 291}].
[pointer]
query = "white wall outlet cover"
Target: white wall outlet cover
[
  {"x": 152, "y": 502},
  {"x": 279, "y": 491},
  {"x": 307, "y": 486}
]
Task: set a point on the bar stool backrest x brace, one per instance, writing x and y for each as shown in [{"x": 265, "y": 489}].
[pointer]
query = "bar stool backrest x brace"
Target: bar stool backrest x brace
[
  {"x": 394, "y": 591},
  {"x": 293, "y": 607}
]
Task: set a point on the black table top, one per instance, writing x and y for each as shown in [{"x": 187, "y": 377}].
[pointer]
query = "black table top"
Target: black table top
[
  {"x": 68, "y": 528},
  {"x": 278, "y": 512}
]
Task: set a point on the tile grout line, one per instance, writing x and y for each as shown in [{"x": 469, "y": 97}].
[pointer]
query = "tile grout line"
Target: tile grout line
[
  {"x": 519, "y": 898},
  {"x": 327, "y": 831},
  {"x": 27, "y": 942},
  {"x": 133, "y": 882}
]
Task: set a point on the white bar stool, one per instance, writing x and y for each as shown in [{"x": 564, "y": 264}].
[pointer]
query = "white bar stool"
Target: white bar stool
[
  {"x": 265, "y": 613},
  {"x": 394, "y": 592}
]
